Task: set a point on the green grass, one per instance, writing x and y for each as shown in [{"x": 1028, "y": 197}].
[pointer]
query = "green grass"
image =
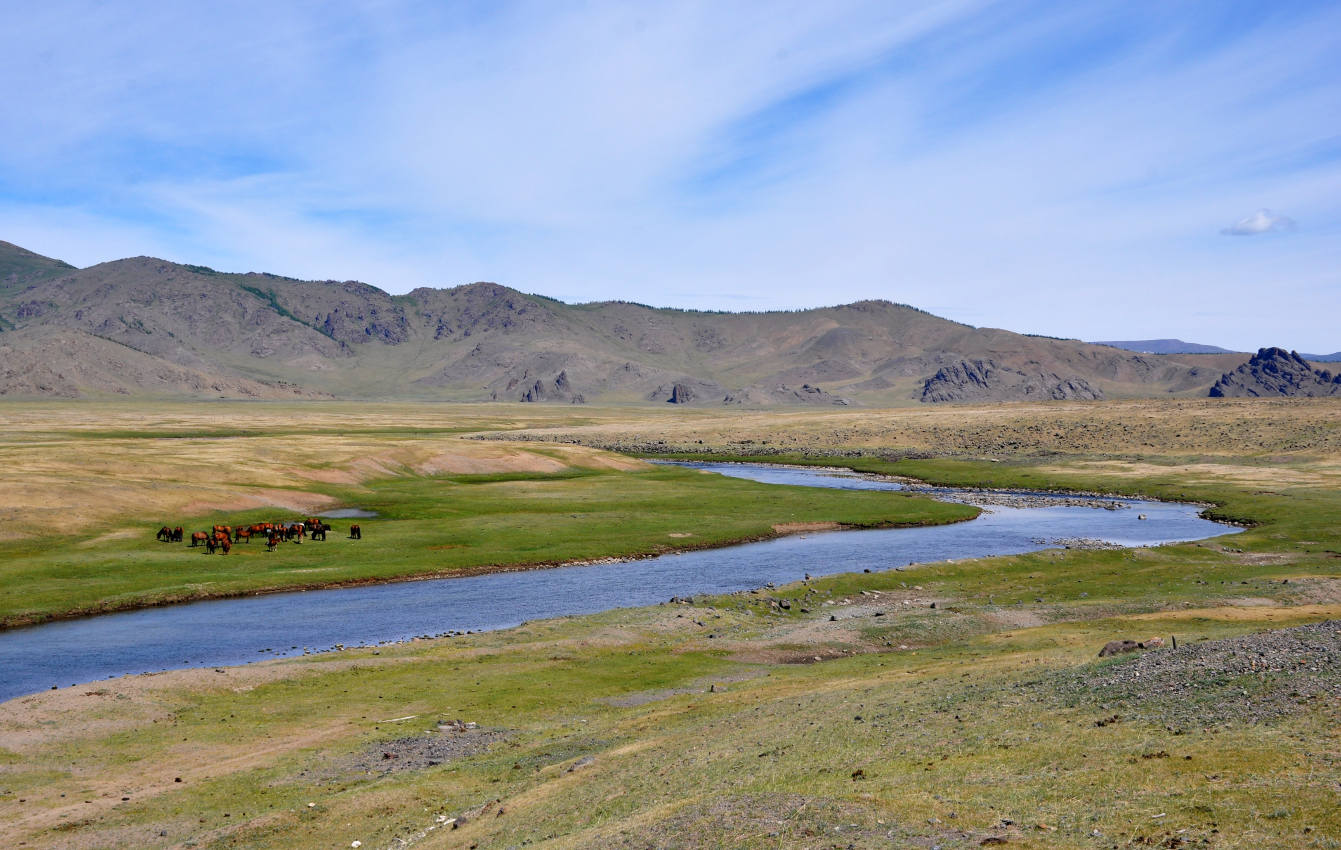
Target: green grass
[
  {"x": 958, "y": 738},
  {"x": 437, "y": 525}
]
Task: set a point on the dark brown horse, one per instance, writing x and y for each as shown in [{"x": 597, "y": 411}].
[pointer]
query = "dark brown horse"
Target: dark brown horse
[
  {"x": 164, "y": 534},
  {"x": 355, "y": 533},
  {"x": 273, "y": 542},
  {"x": 177, "y": 534}
]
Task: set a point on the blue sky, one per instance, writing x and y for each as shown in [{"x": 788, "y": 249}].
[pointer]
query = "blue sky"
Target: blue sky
[{"x": 1093, "y": 170}]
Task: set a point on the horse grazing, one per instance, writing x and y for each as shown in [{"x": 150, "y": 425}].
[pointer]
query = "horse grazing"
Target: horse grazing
[
  {"x": 164, "y": 534},
  {"x": 199, "y": 537},
  {"x": 226, "y": 530},
  {"x": 272, "y": 543},
  {"x": 319, "y": 531},
  {"x": 177, "y": 534},
  {"x": 355, "y": 533},
  {"x": 242, "y": 535}
]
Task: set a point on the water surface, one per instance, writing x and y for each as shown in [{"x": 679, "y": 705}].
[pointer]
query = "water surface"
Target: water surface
[{"x": 235, "y": 631}]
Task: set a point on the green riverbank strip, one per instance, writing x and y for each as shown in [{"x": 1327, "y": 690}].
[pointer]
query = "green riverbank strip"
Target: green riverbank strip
[{"x": 436, "y": 526}]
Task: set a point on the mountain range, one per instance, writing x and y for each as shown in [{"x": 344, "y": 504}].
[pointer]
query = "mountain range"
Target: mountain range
[
  {"x": 148, "y": 327},
  {"x": 1178, "y": 346},
  {"x": 1164, "y": 346}
]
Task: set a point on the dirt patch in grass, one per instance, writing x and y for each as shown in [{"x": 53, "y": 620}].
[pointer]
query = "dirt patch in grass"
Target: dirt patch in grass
[
  {"x": 31, "y": 723},
  {"x": 800, "y": 527},
  {"x": 450, "y": 742},
  {"x": 1313, "y": 590},
  {"x": 1256, "y": 678},
  {"x": 843, "y": 629}
]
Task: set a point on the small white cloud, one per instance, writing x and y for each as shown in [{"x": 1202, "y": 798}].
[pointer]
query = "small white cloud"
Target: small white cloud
[{"x": 1262, "y": 221}]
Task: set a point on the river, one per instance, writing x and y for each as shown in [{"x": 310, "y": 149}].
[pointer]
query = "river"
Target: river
[{"x": 237, "y": 631}]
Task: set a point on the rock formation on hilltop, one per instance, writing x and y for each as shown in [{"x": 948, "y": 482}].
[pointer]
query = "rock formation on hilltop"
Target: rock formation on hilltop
[
  {"x": 987, "y": 380},
  {"x": 1276, "y": 372}
]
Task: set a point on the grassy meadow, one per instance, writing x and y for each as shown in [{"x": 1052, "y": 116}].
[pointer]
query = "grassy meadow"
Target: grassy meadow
[
  {"x": 83, "y": 502},
  {"x": 952, "y": 705}
]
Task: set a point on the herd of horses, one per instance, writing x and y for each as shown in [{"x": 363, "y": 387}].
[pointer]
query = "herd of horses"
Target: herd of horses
[{"x": 222, "y": 537}]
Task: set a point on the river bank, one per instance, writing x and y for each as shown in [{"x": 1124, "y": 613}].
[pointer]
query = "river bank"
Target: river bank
[{"x": 240, "y": 630}]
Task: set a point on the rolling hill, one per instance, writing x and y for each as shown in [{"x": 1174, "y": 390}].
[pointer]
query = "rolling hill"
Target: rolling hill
[{"x": 148, "y": 326}]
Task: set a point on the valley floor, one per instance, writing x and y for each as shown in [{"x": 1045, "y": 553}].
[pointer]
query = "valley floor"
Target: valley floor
[{"x": 953, "y": 705}]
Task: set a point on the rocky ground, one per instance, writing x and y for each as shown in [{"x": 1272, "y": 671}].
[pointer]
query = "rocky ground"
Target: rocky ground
[{"x": 1256, "y": 678}]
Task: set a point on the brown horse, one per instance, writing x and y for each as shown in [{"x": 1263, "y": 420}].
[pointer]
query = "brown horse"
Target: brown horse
[
  {"x": 177, "y": 534},
  {"x": 273, "y": 542},
  {"x": 226, "y": 530},
  {"x": 242, "y": 535},
  {"x": 355, "y": 533},
  {"x": 199, "y": 537},
  {"x": 164, "y": 534},
  {"x": 319, "y": 531}
]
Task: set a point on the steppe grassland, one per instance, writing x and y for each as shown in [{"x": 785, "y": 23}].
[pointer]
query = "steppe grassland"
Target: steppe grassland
[
  {"x": 76, "y": 465},
  {"x": 925, "y": 726},
  {"x": 84, "y": 488}
]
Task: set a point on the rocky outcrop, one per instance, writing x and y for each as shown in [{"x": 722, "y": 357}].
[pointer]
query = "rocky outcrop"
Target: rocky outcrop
[
  {"x": 986, "y": 380},
  {"x": 685, "y": 390},
  {"x": 782, "y": 394},
  {"x": 1120, "y": 647},
  {"x": 560, "y": 389},
  {"x": 1276, "y": 372}
]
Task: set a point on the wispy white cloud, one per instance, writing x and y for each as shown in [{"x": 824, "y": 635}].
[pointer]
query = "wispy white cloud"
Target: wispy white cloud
[
  {"x": 1262, "y": 221},
  {"x": 1055, "y": 166}
]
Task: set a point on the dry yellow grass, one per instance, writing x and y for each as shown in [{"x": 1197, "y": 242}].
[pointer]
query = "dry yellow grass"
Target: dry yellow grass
[
  {"x": 92, "y": 465},
  {"x": 1210, "y": 430}
]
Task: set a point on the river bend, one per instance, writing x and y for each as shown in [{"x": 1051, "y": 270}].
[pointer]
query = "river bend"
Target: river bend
[{"x": 236, "y": 631}]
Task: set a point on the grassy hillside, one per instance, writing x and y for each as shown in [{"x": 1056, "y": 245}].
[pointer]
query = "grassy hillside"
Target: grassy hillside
[
  {"x": 19, "y": 266},
  {"x": 485, "y": 342}
]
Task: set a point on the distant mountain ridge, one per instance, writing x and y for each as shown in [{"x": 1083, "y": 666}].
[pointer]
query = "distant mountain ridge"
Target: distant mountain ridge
[
  {"x": 183, "y": 330},
  {"x": 1164, "y": 346}
]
